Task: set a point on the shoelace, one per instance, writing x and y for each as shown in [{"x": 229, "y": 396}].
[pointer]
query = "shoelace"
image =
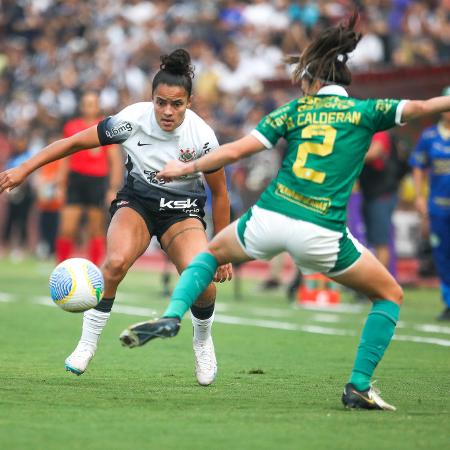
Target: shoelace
[{"x": 203, "y": 353}]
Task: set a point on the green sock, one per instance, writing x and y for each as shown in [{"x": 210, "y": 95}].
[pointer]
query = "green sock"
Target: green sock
[
  {"x": 375, "y": 338},
  {"x": 193, "y": 281}
]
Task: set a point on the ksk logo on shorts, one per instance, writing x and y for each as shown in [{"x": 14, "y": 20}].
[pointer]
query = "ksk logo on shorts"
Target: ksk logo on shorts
[
  {"x": 178, "y": 204},
  {"x": 122, "y": 203}
]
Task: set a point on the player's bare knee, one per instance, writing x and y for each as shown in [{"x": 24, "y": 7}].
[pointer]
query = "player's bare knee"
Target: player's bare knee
[
  {"x": 217, "y": 252},
  {"x": 115, "y": 267},
  {"x": 394, "y": 293},
  {"x": 397, "y": 294}
]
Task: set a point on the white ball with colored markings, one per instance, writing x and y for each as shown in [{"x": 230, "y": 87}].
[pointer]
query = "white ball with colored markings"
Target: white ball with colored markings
[{"x": 76, "y": 285}]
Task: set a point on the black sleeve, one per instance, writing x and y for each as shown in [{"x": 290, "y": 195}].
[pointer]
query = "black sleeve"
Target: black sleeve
[{"x": 113, "y": 130}]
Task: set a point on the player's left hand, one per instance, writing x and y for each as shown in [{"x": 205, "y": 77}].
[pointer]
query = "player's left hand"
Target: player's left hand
[
  {"x": 173, "y": 169},
  {"x": 223, "y": 273}
]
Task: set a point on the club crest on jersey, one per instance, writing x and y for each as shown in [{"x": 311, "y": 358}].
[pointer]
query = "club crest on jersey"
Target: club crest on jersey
[{"x": 187, "y": 155}]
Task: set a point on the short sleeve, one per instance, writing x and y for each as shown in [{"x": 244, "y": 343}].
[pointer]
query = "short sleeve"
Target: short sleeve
[
  {"x": 419, "y": 156},
  {"x": 385, "y": 113},
  {"x": 209, "y": 142},
  {"x": 115, "y": 129},
  {"x": 271, "y": 127}
]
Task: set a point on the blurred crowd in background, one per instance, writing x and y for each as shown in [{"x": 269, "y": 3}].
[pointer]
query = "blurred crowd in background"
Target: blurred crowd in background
[{"x": 53, "y": 50}]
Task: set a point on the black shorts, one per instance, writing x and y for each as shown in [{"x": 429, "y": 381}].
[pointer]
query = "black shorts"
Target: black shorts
[
  {"x": 86, "y": 190},
  {"x": 162, "y": 210}
]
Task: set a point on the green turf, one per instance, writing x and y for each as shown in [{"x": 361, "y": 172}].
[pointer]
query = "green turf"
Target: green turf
[{"x": 276, "y": 389}]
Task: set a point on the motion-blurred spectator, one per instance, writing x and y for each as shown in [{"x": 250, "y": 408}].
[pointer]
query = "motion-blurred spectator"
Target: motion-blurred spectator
[
  {"x": 379, "y": 183},
  {"x": 90, "y": 180},
  {"x": 49, "y": 196},
  {"x": 19, "y": 202}
]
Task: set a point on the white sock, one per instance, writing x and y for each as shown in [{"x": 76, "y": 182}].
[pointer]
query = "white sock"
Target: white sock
[
  {"x": 202, "y": 327},
  {"x": 93, "y": 323}
]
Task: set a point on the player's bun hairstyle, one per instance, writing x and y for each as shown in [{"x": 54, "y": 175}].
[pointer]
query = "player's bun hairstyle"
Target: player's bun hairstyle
[
  {"x": 325, "y": 58},
  {"x": 175, "y": 70}
]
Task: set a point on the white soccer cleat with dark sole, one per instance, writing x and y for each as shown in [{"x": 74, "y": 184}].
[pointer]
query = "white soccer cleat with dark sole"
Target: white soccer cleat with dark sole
[
  {"x": 205, "y": 361},
  {"x": 80, "y": 358}
]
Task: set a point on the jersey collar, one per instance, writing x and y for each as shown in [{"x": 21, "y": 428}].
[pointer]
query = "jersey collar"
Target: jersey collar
[{"x": 332, "y": 89}]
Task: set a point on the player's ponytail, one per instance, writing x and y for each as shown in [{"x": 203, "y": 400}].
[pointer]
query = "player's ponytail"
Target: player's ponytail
[
  {"x": 175, "y": 70},
  {"x": 325, "y": 58}
]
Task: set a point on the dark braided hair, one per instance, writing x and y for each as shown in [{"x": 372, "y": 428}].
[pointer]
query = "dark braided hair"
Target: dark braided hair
[
  {"x": 325, "y": 58},
  {"x": 175, "y": 70}
]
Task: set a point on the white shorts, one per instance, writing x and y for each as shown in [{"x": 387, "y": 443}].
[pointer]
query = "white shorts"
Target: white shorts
[{"x": 263, "y": 234}]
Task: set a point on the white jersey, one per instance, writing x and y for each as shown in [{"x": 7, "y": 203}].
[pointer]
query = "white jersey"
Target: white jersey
[{"x": 149, "y": 148}]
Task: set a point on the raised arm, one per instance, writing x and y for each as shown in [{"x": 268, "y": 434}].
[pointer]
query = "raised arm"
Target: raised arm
[
  {"x": 59, "y": 149},
  {"x": 225, "y": 154},
  {"x": 415, "y": 109}
]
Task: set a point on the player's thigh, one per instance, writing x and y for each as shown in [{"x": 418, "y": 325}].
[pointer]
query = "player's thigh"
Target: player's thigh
[
  {"x": 128, "y": 237},
  {"x": 226, "y": 248},
  {"x": 96, "y": 221},
  {"x": 69, "y": 220},
  {"x": 183, "y": 240},
  {"x": 371, "y": 278}
]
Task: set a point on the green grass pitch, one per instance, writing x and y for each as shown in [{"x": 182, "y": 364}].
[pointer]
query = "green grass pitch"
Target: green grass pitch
[{"x": 281, "y": 373}]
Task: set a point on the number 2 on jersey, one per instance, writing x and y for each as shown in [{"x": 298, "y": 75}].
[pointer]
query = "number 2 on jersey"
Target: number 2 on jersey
[{"x": 315, "y": 148}]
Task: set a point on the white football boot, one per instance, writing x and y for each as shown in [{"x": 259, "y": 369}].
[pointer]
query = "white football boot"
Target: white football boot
[
  {"x": 205, "y": 361},
  {"x": 204, "y": 355},
  {"x": 78, "y": 361}
]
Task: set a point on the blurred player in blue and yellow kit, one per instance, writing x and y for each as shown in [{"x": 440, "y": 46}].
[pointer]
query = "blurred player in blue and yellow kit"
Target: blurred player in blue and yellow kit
[{"x": 431, "y": 159}]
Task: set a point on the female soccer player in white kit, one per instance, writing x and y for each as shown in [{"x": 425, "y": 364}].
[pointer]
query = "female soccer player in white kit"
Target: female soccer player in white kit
[{"x": 151, "y": 133}]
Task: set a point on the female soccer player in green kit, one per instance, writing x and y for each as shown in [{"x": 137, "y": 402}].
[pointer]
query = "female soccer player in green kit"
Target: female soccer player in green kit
[{"x": 303, "y": 210}]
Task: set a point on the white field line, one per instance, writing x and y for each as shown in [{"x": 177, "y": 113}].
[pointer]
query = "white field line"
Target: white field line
[
  {"x": 430, "y": 328},
  {"x": 326, "y": 318},
  {"x": 6, "y": 298},
  {"x": 122, "y": 309},
  {"x": 422, "y": 340},
  {"x": 341, "y": 308},
  {"x": 273, "y": 324}
]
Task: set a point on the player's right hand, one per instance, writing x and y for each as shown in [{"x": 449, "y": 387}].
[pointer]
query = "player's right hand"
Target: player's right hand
[{"x": 9, "y": 179}]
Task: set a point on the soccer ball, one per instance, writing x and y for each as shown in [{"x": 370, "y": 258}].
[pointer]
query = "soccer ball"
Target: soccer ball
[{"x": 76, "y": 285}]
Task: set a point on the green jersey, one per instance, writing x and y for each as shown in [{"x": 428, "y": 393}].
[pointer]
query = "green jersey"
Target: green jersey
[{"x": 327, "y": 137}]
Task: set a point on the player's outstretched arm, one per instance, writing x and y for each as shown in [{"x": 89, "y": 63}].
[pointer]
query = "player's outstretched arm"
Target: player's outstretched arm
[
  {"x": 415, "y": 109},
  {"x": 59, "y": 149},
  {"x": 225, "y": 154}
]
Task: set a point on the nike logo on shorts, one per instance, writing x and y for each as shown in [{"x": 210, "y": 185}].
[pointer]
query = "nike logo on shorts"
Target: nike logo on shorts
[{"x": 141, "y": 144}]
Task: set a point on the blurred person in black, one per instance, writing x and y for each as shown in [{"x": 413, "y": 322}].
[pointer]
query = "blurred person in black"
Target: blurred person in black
[
  {"x": 379, "y": 181},
  {"x": 19, "y": 201}
]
